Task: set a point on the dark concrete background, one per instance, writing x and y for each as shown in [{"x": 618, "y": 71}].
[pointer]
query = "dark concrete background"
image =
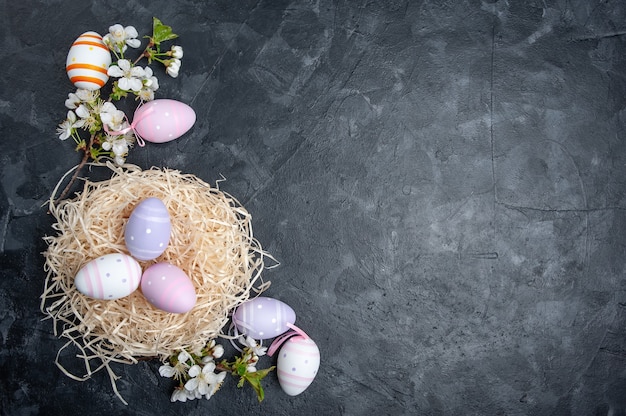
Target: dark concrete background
[{"x": 442, "y": 182}]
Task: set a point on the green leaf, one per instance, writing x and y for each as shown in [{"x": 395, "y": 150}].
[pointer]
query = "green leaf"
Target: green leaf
[{"x": 161, "y": 32}]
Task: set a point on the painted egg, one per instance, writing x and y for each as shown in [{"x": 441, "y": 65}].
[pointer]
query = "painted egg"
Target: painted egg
[
  {"x": 297, "y": 364},
  {"x": 147, "y": 232},
  {"x": 109, "y": 277},
  {"x": 263, "y": 317},
  {"x": 160, "y": 121},
  {"x": 168, "y": 288},
  {"x": 88, "y": 61}
]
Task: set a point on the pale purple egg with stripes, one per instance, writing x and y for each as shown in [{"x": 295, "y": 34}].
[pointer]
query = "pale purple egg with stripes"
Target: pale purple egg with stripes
[
  {"x": 163, "y": 120},
  {"x": 109, "y": 277},
  {"x": 263, "y": 317},
  {"x": 148, "y": 230},
  {"x": 168, "y": 288},
  {"x": 297, "y": 365}
]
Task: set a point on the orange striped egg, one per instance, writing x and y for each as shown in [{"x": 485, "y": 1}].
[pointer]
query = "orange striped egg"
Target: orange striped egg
[{"x": 88, "y": 61}]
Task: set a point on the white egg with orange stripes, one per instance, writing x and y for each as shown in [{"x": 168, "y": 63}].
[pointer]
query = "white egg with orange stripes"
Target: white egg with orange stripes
[
  {"x": 88, "y": 61},
  {"x": 109, "y": 277}
]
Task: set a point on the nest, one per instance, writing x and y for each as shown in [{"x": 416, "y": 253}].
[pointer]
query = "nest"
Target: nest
[{"x": 211, "y": 240}]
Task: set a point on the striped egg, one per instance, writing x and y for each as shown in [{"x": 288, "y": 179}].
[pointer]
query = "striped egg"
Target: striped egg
[
  {"x": 297, "y": 364},
  {"x": 147, "y": 233},
  {"x": 109, "y": 277},
  {"x": 88, "y": 61},
  {"x": 263, "y": 317},
  {"x": 160, "y": 121},
  {"x": 168, "y": 288}
]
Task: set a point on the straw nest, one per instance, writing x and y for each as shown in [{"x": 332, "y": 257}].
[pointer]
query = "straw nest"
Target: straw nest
[{"x": 211, "y": 241}]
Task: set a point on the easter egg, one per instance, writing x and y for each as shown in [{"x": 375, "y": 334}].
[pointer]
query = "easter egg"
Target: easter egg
[
  {"x": 168, "y": 288},
  {"x": 147, "y": 232},
  {"x": 160, "y": 121},
  {"x": 297, "y": 364},
  {"x": 109, "y": 277},
  {"x": 88, "y": 61},
  {"x": 263, "y": 317}
]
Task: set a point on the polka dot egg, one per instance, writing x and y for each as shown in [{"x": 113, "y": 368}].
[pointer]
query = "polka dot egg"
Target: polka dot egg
[
  {"x": 147, "y": 233},
  {"x": 160, "y": 121},
  {"x": 297, "y": 364},
  {"x": 109, "y": 277},
  {"x": 263, "y": 317},
  {"x": 168, "y": 288}
]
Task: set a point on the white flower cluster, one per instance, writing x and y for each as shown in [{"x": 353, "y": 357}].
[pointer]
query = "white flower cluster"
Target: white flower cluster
[
  {"x": 87, "y": 110},
  {"x": 197, "y": 372}
]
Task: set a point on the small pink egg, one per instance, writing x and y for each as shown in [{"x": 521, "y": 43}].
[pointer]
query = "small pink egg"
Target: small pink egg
[
  {"x": 160, "y": 121},
  {"x": 168, "y": 288},
  {"x": 297, "y": 364},
  {"x": 147, "y": 233},
  {"x": 263, "y": 317}
]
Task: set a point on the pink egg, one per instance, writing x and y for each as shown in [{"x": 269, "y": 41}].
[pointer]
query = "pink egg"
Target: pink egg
[
  {"x": 263, "y": 317},
  {"x": 168, "y": 288},
  {"x": 147, "y": 232},
  {"x": 160, "y": 121},
  {"x": 297, "y": 364},
  {"x": 109, "y": 277}
]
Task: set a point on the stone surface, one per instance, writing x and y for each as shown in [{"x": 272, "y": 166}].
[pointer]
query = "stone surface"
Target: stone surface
[{"x": 441, "y": 182}]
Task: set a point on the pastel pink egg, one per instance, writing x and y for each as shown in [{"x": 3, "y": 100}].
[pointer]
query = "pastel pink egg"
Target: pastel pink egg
[
  {"x": 147, "y": 233},
  {"x": 168, "y": 288},
  {"x": 88, "y": 61},
  {"x": 109, "y": 277},
  {"x": 263, "y": 317},
  {"x": 297, "y": 364},
  {"x": 160, "y": 121}
]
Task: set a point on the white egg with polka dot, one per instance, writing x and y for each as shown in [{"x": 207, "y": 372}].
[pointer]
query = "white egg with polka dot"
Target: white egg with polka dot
[
  {"x": 297, "y": 364},
  {"x": 109, "y": 277}
]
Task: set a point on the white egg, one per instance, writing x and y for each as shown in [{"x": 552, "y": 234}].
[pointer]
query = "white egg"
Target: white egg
[
  {"x": 109, "y": 277},
  {"x": 297, "y": 364}
]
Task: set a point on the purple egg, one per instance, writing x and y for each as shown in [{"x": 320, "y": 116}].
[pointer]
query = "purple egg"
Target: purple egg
[
  {"x": 263, "y": 318},
  {"x": 147, "y": 232}
]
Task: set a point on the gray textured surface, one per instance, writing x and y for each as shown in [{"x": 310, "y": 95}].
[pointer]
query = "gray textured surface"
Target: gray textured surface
[{"x": 442, "y": 182}]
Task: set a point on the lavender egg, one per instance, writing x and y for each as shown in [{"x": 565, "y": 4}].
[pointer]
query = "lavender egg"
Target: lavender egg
[
  {"x": 147, "y": 232},
  {"x": 263, "y": 317}
]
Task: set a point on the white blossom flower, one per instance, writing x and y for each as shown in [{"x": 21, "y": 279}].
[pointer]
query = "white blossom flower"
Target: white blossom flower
[
  {"x": 150, "y": 85},
  {"x": 120, "y": 36},
  {"x": 88, "y": 116},
  {"x": 87, "y": 96},
  {"x": 113, "y": 118},
  {"x": 181, "y": 394},
  {"x": 72, "y": 101},
  {"x": 203, "y": 380},
  {"x": 251, "y": 369},
  {"x": 172, "y": 67},
  {"x": 129, "y": 76},
  {"x": 177, "y": 52},
  {"x": 254, "y": 347},
  {"x": 217, "y": 351},
  {"x": 66, "y": 128}
]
